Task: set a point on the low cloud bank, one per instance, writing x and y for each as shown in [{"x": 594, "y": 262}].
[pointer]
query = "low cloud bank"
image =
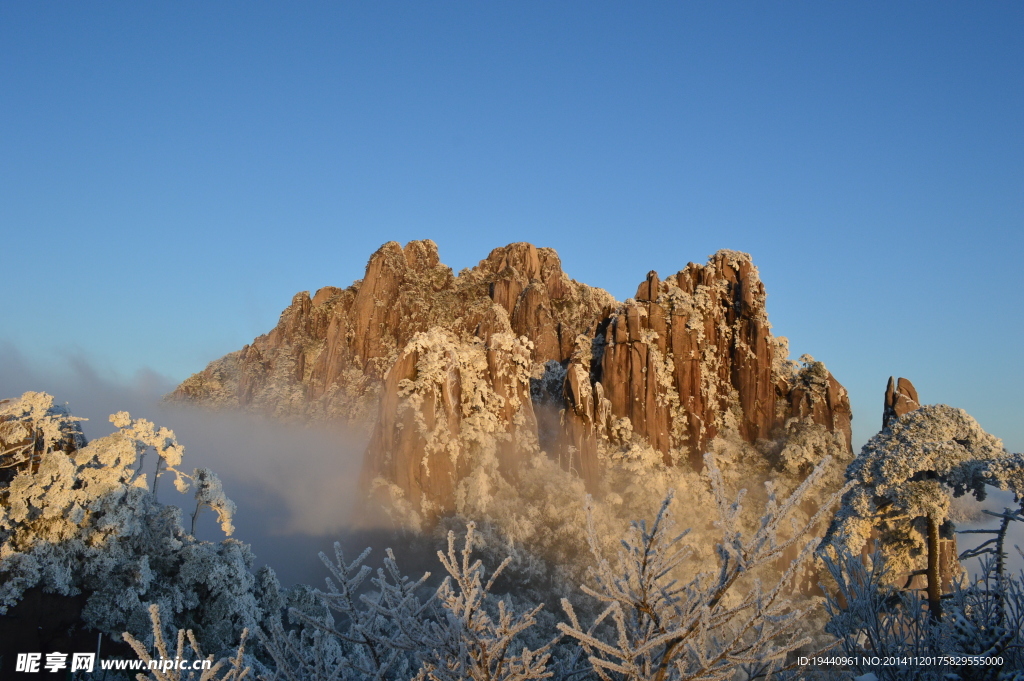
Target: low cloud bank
[{"x": 295, "y": 486}]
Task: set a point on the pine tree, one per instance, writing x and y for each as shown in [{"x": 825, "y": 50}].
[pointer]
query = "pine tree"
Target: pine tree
[{"x": 905, "y": 479}]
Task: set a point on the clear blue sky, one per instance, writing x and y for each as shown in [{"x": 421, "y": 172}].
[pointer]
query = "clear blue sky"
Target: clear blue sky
[{"x": 172, "y": 173}]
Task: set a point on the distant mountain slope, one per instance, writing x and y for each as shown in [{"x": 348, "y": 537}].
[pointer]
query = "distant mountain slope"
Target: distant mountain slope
[{"x": 515, "y": 353}]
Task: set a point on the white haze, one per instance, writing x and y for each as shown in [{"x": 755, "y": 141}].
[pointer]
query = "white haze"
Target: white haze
[
  {"x": 295, "y": 486},
  {"x": 972, "y": 518}
]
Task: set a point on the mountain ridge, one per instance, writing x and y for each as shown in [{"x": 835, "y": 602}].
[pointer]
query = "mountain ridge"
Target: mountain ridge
[{"x": 421, "y": 355}]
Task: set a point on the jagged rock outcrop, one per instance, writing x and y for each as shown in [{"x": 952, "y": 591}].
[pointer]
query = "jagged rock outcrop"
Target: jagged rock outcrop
[
  {"x": 900, "y": 398},
  {"x": 449, "y": 369},
  {"x": 448, "y": 408},
  {"x": 328, "y": 355},
  {"x": 694, "y": 353}
]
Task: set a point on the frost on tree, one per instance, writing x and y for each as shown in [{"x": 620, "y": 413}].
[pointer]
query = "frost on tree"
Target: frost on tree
[
  {"x": 874, "y": 622},
  {"x": 399, "y": 628},
  {"x": 31, "y": 425},
  {"x": 189, "y": 651},
  {"x": 476, "y": 637},
  {"x": 82, "y": 519},
  {"x": 210, "y": 494},
  {"x": 906, "y": 477},
  {"x": 721, "y": 623}
]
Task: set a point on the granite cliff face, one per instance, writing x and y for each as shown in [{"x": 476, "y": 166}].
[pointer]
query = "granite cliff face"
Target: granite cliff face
[
  {"x": 328, "y": 356},
  {"x": 512, "y": 356},
  {"x": 693, "y": 354}
]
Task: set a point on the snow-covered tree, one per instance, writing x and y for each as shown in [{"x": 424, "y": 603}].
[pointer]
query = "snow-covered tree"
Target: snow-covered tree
[
  {"x": 874, "y": 620},
  {"x": 400, "y": 628},
  {"x": 715, "y": 625},
  {"x": 905, "y": 479},
  {"x": 30, "y": 426},
  {"x": 343, "y": 634},
  {"x": 83, "y": 519},
  {"x": 188, "y": 651},
  {"x": 210, "y": 494},
  {"x": 476, "y": 638}
]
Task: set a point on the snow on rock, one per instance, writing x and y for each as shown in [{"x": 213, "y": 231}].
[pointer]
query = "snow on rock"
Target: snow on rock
[{"x": 441, "y": 368}]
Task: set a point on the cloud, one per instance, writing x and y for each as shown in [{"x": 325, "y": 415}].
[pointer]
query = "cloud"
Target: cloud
[
  {"x": 296, "y": 487},
  {"x": 303, "y": 479}
]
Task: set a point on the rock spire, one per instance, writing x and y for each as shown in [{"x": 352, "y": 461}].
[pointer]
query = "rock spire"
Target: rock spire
[{"x": 900, "y": 398}]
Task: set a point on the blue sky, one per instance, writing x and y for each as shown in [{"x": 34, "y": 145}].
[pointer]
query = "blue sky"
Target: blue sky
[{"x": 172, "y": 173}]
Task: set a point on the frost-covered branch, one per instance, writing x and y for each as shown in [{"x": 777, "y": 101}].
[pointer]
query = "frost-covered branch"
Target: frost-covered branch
[
  {"x": 81, "y": 520},
  {"x": 33, "y": 425},
  {"x": 477, "y": 640},
  {"x": 655, "y": 627},
  {"x": 346, "y": 634},
  {"x": 872, "y": 619},
  {"x": 210, "y": 494},
  {"x": 226, "y": 669}
]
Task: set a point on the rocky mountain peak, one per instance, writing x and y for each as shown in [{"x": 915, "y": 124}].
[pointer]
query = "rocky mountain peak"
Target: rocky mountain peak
[
  {"x": 512, "y": 356},
  {"x": 900, "y": 398}
]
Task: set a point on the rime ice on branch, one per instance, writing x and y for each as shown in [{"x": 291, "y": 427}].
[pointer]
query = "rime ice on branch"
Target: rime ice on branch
[{"x": 81, "y": 518}]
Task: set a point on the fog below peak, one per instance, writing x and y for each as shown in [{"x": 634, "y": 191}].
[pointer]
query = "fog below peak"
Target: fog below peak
[{"x": 295, "y": 486}]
